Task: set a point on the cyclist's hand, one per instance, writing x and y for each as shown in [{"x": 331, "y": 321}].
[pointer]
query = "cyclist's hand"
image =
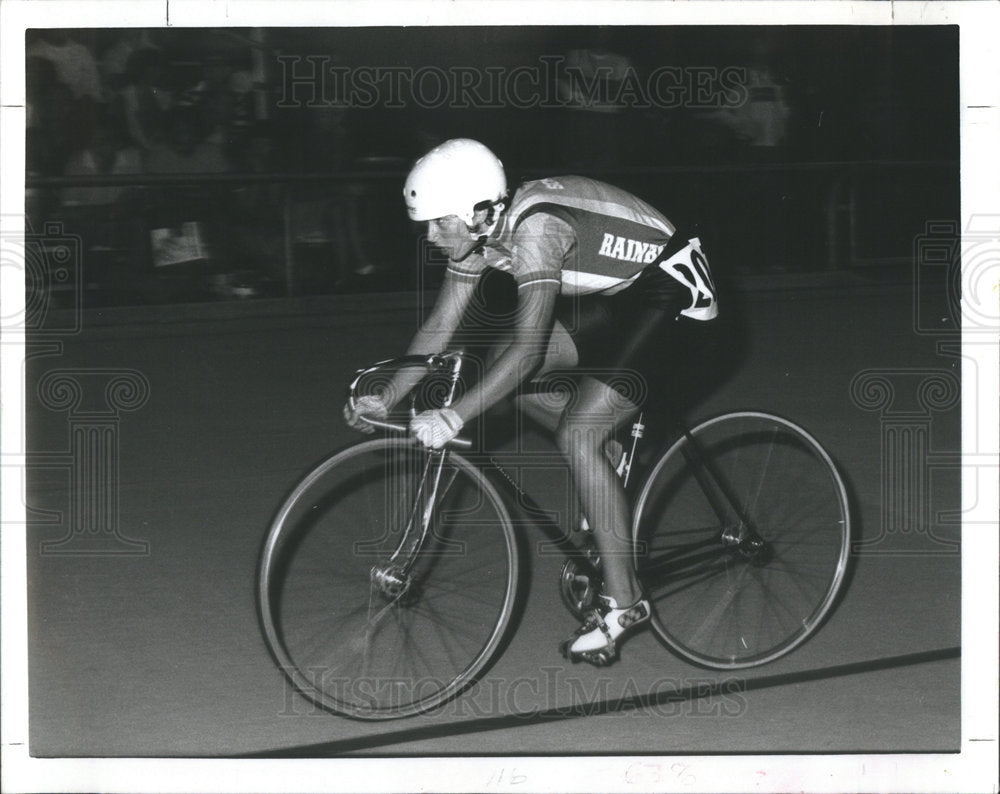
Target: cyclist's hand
[
  {"x": 434, "y": 429},
  {"x": 367, "y": 406}
]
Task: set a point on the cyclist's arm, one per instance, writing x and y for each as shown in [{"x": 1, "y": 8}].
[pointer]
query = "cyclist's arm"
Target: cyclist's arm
[
  {"x": 434, "y": 334},
  {"x": 520, "y": 360},
  {"x": 540, "y": 245}
]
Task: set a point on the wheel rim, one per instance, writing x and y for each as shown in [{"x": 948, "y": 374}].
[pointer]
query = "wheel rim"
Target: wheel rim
[
  {"x": 345, "y": 639},
  {"x": 713, "y": 605}
]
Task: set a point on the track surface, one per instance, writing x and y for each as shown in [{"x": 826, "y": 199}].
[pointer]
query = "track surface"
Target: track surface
[{"x": 160, "y": 654}]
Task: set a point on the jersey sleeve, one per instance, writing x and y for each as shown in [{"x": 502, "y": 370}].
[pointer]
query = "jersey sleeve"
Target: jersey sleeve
[
  {"x": 541, "y": 245},
  {"x": 469, "y": 269}
]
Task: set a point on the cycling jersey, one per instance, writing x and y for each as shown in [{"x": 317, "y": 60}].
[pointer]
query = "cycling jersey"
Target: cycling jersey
[{"x": 588, "y": 237}]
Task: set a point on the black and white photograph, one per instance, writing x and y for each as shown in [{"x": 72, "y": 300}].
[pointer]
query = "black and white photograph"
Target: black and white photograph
[{"x": 500, "y": 397}]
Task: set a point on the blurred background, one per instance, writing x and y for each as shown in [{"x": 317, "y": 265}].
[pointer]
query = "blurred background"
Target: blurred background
[
  {"x": 169, "y": 166},
  {"x": 225, "y": 204}
]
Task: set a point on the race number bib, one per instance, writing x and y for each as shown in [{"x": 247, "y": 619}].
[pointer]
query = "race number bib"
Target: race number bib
[{"x": 690, "y": 267}]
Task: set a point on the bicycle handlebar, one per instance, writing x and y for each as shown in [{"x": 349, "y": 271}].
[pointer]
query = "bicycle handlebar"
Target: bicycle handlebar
[{"x": 431, "y": 362}]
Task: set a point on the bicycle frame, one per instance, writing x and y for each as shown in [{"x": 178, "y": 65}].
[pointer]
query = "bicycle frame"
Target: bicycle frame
[
  {"x": 438, "y": 529},
  {"x": 737, "y": 531}
]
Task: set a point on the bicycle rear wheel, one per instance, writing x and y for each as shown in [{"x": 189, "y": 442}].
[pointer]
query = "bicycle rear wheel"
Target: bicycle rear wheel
[
  {"x": 741, "y": 538},
  {"x": 372, "y": 636}
]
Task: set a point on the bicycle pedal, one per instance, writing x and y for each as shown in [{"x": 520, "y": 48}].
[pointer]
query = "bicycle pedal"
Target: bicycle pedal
[{"x": 599, "y": 658}]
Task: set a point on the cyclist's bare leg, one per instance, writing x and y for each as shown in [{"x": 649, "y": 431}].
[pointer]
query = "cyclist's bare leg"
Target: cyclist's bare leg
[
  {"x": 560, "y": 354},
  {"x": 586, "y": 425},
  {"x": 582, "y": 424},
  {"x": 597, "y": 411}
]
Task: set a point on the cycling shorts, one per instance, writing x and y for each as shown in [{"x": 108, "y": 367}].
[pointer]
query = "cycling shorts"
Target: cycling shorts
[{"x": 638, "y": 342}]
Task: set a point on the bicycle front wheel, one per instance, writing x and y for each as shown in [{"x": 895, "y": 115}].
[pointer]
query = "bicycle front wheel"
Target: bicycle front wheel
[
  {"x": 360, "y": 621},
  {"x": 741, "y": 535}
]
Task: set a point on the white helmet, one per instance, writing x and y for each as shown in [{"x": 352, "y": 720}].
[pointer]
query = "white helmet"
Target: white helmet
[{"x": 451, "y": 179}]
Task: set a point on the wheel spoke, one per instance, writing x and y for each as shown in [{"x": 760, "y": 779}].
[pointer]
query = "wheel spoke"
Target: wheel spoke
[{"x": 718, "y": 611}]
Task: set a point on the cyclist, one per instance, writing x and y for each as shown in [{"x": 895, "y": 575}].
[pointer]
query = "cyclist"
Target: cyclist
[{"x": 606, "y": 288}]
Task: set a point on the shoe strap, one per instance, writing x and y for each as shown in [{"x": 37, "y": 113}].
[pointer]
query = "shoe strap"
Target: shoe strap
[
  {"x": 597, "y": 621},
  {"x": 610, "y": 643}
]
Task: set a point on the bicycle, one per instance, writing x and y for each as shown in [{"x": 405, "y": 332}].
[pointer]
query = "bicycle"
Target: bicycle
[{"x": 389, "y": 576}]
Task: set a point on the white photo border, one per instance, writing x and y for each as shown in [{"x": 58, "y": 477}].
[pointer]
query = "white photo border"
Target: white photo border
[{"x": 973, "y": 769}]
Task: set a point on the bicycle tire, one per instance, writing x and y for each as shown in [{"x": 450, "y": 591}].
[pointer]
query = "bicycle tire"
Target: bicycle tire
[
  {"x": 343, "y": 643},
  {"x": 720, "y": 605}
]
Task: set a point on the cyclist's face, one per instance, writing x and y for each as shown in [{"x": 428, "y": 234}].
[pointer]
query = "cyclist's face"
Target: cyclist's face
[{"x": 452, "y": 236}]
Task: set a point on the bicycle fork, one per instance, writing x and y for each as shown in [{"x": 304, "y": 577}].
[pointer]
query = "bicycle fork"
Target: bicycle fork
[
  {"x": 393, "y": 578},
  {"x": 738, "y": 531}
]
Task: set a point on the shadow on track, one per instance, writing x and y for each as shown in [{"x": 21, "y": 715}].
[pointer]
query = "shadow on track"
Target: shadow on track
[{"x": 728, "y": 686}]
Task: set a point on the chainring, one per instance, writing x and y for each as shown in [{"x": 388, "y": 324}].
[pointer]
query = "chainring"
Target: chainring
[{"x": 579, "y": 588}]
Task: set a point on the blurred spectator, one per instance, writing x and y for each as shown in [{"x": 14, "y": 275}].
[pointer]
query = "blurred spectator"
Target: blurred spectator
[
  {"x": 75, "y": 65},
  {"x": 759, "y": 126},
  {"x": 145, "y": 98},
  {"x": 108, "y": 218},
  {"x": 185, "y": 149},
  {"x": 50, "y": 130},
  {"x": 64, "y": 96},
  {"x": 188, "y": 222},
  {"x": 255, "y": 234},
  {"x": 114, "y": 62},
  {"x": 224, "y": 102},
  {"x": 591, "y": 86},
  {"x": 243, "y": 114},
  {"x": 107, "y": 153}
]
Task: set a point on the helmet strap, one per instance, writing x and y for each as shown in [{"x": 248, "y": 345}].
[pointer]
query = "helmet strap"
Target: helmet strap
[
  {"x": 493, "y": 216},
  {"x": 485, "y": 228},
  {"x": 475, "y": 248}
]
